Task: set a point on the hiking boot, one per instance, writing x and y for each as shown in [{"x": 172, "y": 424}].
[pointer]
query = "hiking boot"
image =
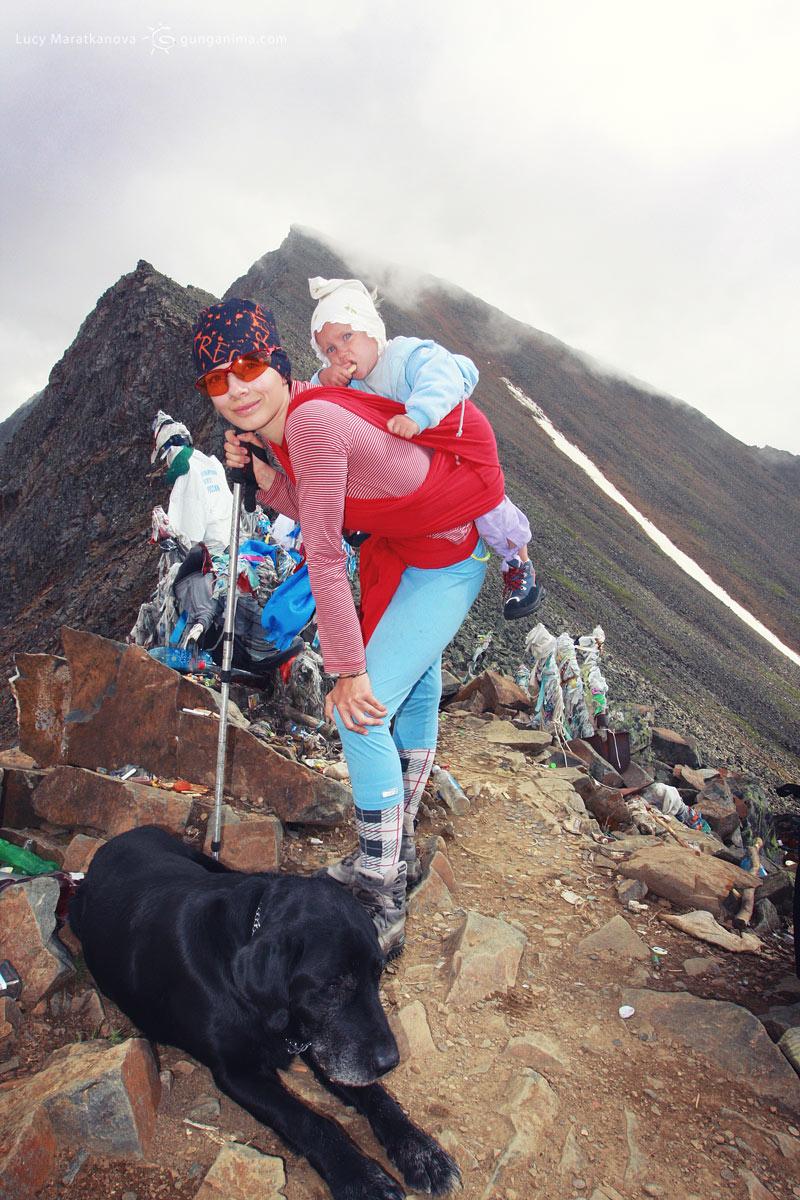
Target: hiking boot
[
  {"x": 408, "y": 854},
  {"x": 522, "y": 594},
  {"x": 346, "y": 869},
  {"x": 384, "y": 898},
  {"x": 343, "y": 871}
]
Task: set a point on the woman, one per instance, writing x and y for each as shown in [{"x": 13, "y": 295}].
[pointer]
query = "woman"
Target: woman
[{"x": 421, "y": 568}]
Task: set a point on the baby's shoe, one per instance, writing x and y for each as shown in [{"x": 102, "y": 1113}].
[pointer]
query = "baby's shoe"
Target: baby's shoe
[{"x": 522, "y": 593}]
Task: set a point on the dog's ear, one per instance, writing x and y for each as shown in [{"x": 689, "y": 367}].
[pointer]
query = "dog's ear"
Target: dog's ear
[{"x": 261, "y": 974}]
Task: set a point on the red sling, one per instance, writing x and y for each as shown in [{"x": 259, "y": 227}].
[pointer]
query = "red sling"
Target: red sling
[{"x": 464, "y": 481}]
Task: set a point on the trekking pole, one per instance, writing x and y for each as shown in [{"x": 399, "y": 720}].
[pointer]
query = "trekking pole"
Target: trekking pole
[{"x": 238, "y": 476}]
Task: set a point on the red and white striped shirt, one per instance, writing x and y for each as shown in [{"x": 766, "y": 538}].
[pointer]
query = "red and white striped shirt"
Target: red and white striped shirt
[{"x": 337, "y": 454}]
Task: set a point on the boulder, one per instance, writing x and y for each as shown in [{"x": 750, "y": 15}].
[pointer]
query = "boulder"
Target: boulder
[
  {"x": 672, "y": 748},
  {"x": 116, "y": 704},
  {"x": 28, "y": 921},
  {"x": 81, "y": 799},
  {"x": 684, "y": 877},
  {"x": 91, "y": 1095},
  {"x": 618, "y": 937},
  {"x": 81, "y": 851},
  {"x": 243, "y": 1173},
  {"x": 249, "y": 842},
  {"x": 717, "y": 805},
  {"x": 503, "y": 733},
  {"x": 598, "y": 767},
  {"x": 729, "y": 1036},
  {"x": 486, "y": 954},
  {"x": 606, "y": 805}
]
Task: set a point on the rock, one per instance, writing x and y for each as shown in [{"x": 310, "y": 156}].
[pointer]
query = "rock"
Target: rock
[
  {"x": 728, "y": 1035},
  {"x": 636, "y": 776},
  {"x": 779, "y": 1018},
  {"x": 766, "y": 918},
  {"x": 630, "y": 889},
  {"x": 496, "y": 691},
  {"x": 617, "y": 936},
  {"x": 91, "y": 1011},
  {"x": 27, "y": 1154},
  {"x": 243, "y": 1173},
  {"x": 28, "y": 921},
  {"x": 779, "y": 888},
  {"x": 249, "y": 842},
  {"x": 571, "y": 1161},
  {"x": 755, "y": 1188},
  {"x": 670, "y": 747},
  {"x": 81, "y": 851},
  {"x": 10, "y": 1014},
  {"x": 686, "y": 777},
  {"x": 74, "y": 796},
  {"x": 19, "y": 784},
  {"x": 598, "y": 767},
  {"x": 539, "y": 1052},
  {"x": 532, "y": 1107},
  {"x": 502, "y": 692},
  {"x": 699, "y": 966},
  {"x": 503, "y": 733},
  {"x": 718, "y": 806},
  {"x": 485, "y": 959},
  {"x": 432, "y": 894},
  {"x": 701, "y": 924},
  {"x": 638, "y": 1166},
  {"x": 412, "y": 1032},
  {"x": 42, "y": 690},
  {"x": 684, "y": 877},
  {"x": 90, "y": 1095},
  {"x": 450, "y": 685},
  {"x": 123, "y": 706},
  {"x": 606, "y": 805},
  {"x": 205, "y": 1110}
]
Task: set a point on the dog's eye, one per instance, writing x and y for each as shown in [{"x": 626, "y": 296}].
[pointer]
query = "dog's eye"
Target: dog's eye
[{"x": 342, "y": 984}]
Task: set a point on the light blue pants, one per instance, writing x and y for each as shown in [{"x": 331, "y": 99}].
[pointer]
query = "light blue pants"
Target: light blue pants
[{"x": 404, "y": 661}]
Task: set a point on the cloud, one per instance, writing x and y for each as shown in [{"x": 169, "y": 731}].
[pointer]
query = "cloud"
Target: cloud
[{"x": 617, "y": 175}]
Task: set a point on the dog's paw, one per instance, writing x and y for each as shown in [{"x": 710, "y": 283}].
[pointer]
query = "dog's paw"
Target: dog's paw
[
  {"x": 426, "y": 1167},
  {"x": 372, "y": 1184}
]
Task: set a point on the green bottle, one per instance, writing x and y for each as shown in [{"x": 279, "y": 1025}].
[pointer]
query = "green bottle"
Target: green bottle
[{"x": 24, "y": 860}]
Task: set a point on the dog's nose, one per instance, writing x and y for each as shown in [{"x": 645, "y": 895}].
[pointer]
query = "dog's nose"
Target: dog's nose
[{"x": 386, "y": 1057}]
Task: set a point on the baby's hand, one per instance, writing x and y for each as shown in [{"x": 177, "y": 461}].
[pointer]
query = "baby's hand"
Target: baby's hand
[
  {"x": 336, "y": 376},
  {"x": 402, "y": 426}
]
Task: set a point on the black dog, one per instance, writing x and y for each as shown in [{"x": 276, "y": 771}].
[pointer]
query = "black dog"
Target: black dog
[{"x": 245, "y": 971}]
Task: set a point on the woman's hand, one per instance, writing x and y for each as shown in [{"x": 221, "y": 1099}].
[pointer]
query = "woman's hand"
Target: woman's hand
[
  {"x": 357, "y": 707},
  {"x": 237, "y": 455}
]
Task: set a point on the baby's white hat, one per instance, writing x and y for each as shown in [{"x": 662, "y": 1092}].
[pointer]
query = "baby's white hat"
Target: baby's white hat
[{"x": 344, "y": 302}]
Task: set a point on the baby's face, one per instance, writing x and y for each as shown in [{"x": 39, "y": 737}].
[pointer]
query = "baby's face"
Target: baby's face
[{"x": 350, "y": 348}]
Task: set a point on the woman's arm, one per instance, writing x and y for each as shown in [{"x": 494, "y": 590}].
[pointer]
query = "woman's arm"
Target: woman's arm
[{"x": 319, "y": 435}]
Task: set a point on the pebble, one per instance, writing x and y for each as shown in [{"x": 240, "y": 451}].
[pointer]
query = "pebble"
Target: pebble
[{"x": 653, "y": 1189}]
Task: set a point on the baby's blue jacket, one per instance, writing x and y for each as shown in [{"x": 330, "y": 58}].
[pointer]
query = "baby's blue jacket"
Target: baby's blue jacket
[{"x": 422, "y": 375}]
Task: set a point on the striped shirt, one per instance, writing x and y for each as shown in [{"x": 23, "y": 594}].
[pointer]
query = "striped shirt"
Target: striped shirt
[{"x": 336, "y": 454}]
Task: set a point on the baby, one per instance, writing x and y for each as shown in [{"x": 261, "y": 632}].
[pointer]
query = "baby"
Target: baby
[{"x": 349, "y": 337}]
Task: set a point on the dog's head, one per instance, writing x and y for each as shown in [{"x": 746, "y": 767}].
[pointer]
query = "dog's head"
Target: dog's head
[{"x": 314, "y": 972}]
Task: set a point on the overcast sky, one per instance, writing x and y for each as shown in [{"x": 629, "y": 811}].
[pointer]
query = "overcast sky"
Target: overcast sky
[{"x": 621, "y": 174}]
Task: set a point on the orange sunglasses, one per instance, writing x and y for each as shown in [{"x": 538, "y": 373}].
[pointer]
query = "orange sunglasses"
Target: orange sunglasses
[{"x": 246, "y": 367}]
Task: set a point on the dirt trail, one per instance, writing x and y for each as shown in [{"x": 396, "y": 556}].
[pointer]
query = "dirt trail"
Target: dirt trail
[{"x": 624, "y": 1110}]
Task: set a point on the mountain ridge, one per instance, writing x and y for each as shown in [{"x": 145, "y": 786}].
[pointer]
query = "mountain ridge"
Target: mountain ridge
[{"x": 76, "y": 469}]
